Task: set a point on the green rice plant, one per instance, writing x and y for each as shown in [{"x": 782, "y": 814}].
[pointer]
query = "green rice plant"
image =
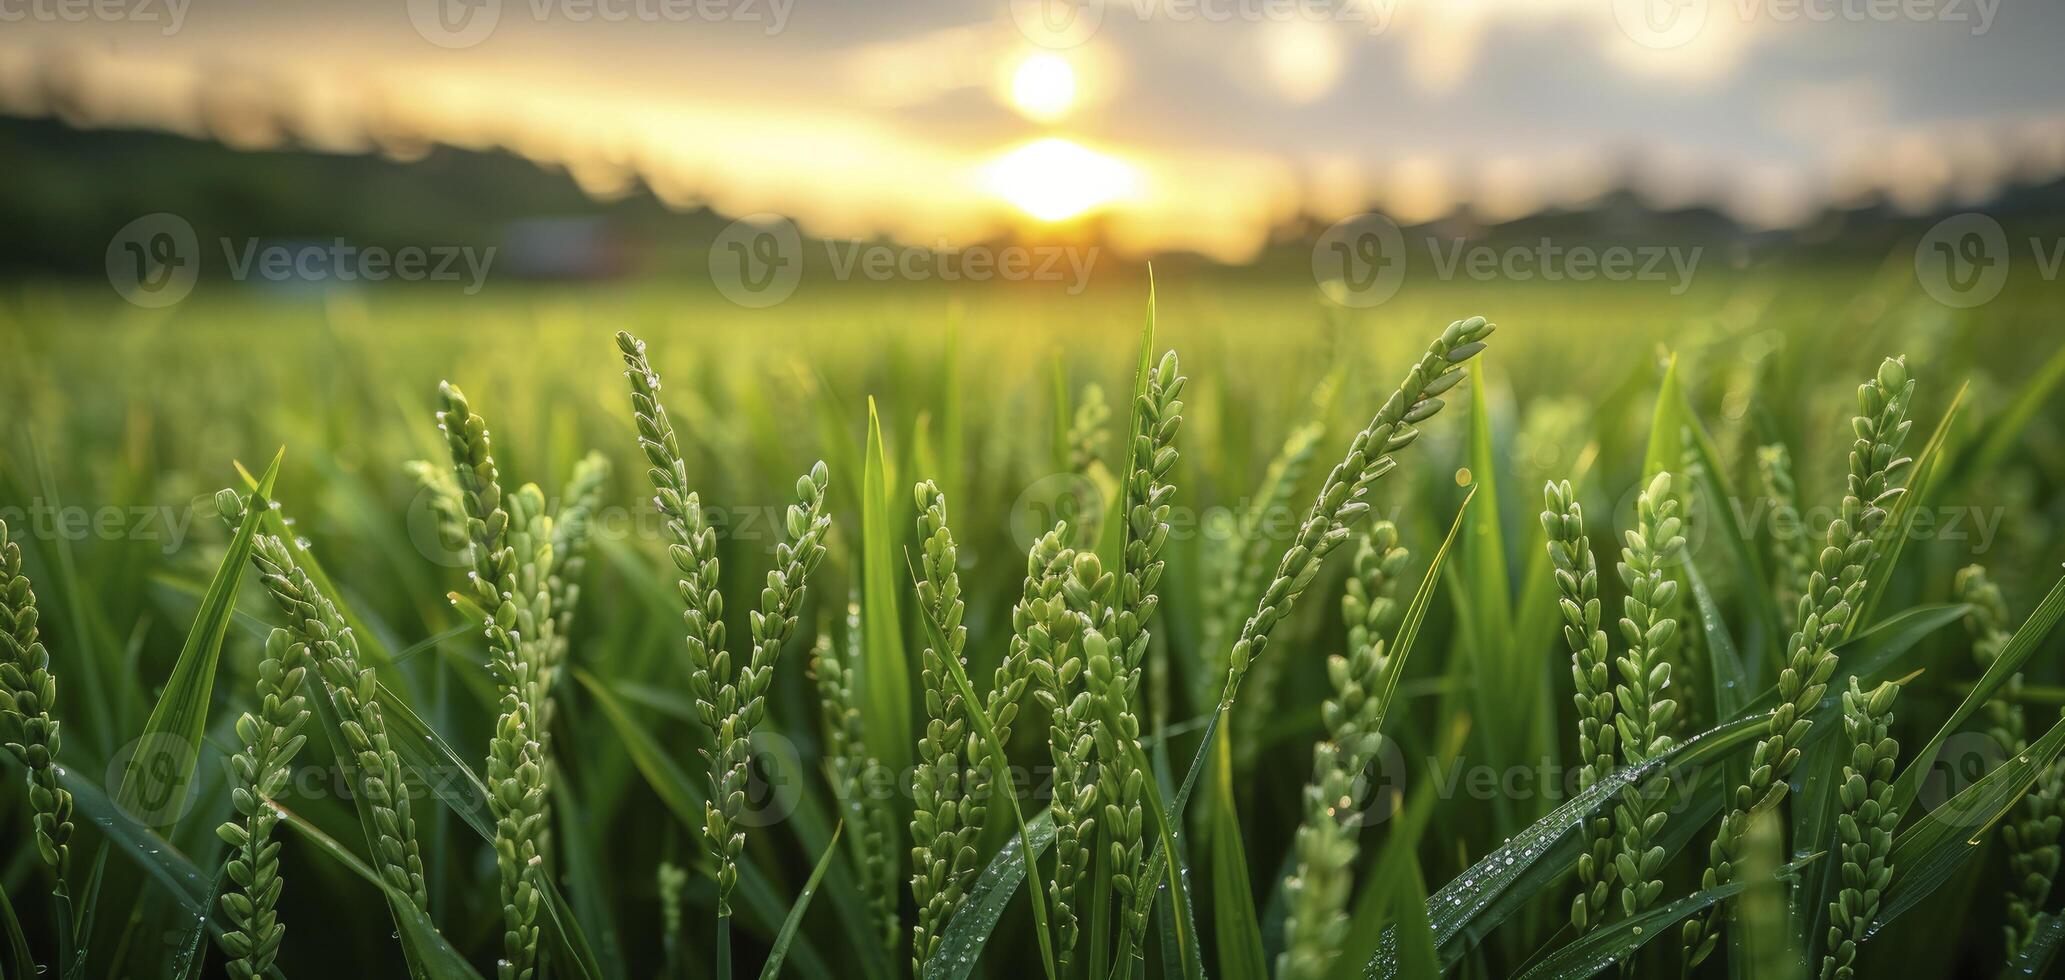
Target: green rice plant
[
  {"x": 671, "y": 879},
  {"x": 1790, "y": 557},
  {"x": 332, "y": 647},
  {"x": 1864, "y": 830},
  {"x": 1157, "y": 415},
  {"x": 1341, "y": 500},
  {"x": 1089, "y": 431},
  {"x": 1083, "y": 443},
  {"x": 441, "y": 493},
  {"x": 28, "y": 692},
  {"x": 853, "y": 772},
  {"x": 271, "y": 736},
  {"x": 1121, "y": 779},
  {"x": 1316, "y": 895},
  {"x": 1645, "y": 715},
  {"x": 1577, "y": 582},
  {"x": 2032, "y": 836},
  {"x": 510, "y": 546},
  {"x": 1051, "y": 628},
  {"x": 571, "y": 532},
  {"x": 946, "y": 821},
  {"x": 952, "y": 785},
  {"x": 1831, "y": 595},
  {"x": 732, "y": 703}
]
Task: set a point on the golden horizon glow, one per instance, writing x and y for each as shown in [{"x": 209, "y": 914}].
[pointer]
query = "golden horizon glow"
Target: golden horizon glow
[
  {"x": 1043, "y": 87},
  {"x": 1054, "y": 179}
]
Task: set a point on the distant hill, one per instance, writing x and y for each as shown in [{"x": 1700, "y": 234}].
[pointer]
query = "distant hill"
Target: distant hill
[{"x": 67, "y": 191}]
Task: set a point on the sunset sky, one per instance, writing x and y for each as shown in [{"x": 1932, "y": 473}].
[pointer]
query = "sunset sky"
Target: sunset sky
[{"x": 1196, "y": 124}]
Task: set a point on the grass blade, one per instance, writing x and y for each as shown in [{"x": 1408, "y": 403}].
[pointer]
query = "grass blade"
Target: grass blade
[
  {"x": 787, "y": 935},
  {"x": 1233, "y": 903},
  {"x": 1666, "y": 426},
  {"x": 1475, "y": 902},
  {"x": 969, "y": 930},
  {"x": 440, "y": 961},
  {"x": 436, "y": 764},
  {"x": 569, "y": 940},
  {"x": 1618, "y": 940},
  {"x": 1925, "y": 855},
  {"x": 1416, "y": 613},
  {"x": 17, "y": 943},
  {"x": 1751, "y": 582},
  {"x": 2036, "y": 958},
  {"x": 156, "y": 777},
  {"x": 885, "y": 677},
  {"x": 1508, "y": 677},
  {"x": 1412, "y": 935},
  {"x": 584, "y": 872},
  {"x": 1724, "y": 663},
  {"x": 2004, "y": 430},
  {"x": 2020, "y": 648},
  {"x": 668, "y": 782}
]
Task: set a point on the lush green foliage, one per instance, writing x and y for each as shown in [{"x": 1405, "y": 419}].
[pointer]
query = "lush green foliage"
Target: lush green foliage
[{"x": 1124, "y": 590}]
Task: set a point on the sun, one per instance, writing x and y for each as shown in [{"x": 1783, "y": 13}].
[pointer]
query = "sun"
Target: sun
[
  {"x": 1055, "y": 180},
  {"x": 1043, "y": 88}
]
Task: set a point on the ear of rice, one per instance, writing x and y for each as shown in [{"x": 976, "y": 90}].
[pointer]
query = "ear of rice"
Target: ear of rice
[{"x": 1825, "y": 606}]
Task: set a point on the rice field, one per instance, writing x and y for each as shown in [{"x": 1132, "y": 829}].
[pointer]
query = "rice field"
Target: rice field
[{"x": 1505, "y": 629}]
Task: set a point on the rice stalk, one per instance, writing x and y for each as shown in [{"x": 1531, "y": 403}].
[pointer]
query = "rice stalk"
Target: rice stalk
[
  {"x": 731, "y": 703},
  {"x": 671, "y": 879},
  {"x": 572, "y": 528},
  {"x": 1789, "y": 541},
  {"x": 1577, "y": 581},
  {"x": 1083, "y": 446},
  {"x": 948, "y": 811},
  {"x": 853, "y": 772},
  {"x": 1117, "y": 608},
  {"x": 511, "y": 542},
  {"x": 1341, "y": 498},
  {"x": 1121, "y": 782},
  {"x": 28, "y": 692},
  {"x": 1831, "y": 594},
  {"x": 1317, "y": 893},
  {"x": 441, "y": 495},
  {"x": 1051, "y": 628},
  {"x": 1644, "y": 717},
  {"x": 2032, "y": 836},
  {"x": 1088, "y": 431},
  {"x": 1864, "y": 830},
  {"x": 271, "y": 736},
  {"x": 331, "y": 646},
  {"x": 1157, "y": 415}
]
